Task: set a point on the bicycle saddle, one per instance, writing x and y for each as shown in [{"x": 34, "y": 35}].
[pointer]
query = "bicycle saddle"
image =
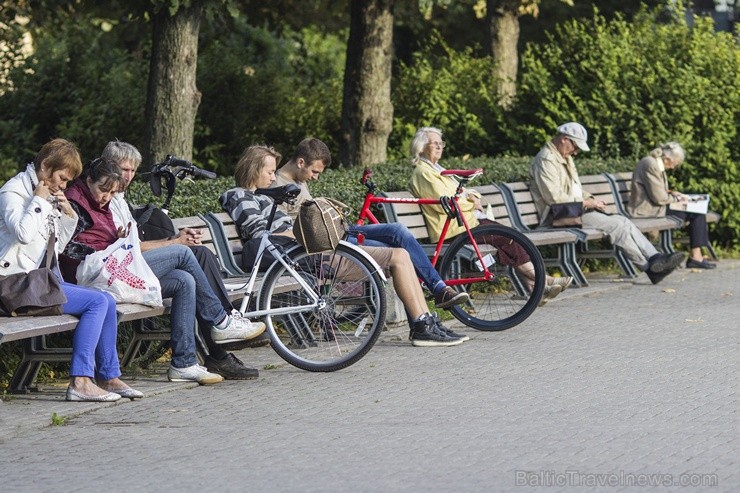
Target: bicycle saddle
[
  {"x": 463, "y": 173},
  {"x": 280, "y": 195}
]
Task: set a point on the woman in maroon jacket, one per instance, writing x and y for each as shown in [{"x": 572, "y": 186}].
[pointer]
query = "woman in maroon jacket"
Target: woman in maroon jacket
[{"x": 90, "y": 197}]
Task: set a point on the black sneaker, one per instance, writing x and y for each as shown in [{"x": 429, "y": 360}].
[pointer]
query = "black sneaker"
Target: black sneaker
[
  {"x": 260, "y": 341},
  {"x": 449, "y": 332},
  {"x": 424, "y": 333},
  {"x": 231, "y": 368},
  {"x": 665, "y": 262},
  {"x": 448, "y": 297}
]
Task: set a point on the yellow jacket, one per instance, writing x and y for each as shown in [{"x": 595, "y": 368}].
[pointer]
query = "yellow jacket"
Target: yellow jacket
[{"x": 426, "y": 182}]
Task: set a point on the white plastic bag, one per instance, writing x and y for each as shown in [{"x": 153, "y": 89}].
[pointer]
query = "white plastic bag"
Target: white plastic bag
[{"x": 121, "y": 270}]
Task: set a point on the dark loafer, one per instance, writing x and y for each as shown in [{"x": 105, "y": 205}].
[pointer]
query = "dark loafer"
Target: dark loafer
[
  {"x": 696, "y": 264},
  {"x": 665, "y": 262}
]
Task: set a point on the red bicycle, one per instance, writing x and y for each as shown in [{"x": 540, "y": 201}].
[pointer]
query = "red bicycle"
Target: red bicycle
[{"x": 503, "y": 291}]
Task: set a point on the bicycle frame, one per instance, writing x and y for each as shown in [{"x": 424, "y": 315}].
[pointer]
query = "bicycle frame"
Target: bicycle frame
[
  {"x": 280, "y": 257},
  {"x": 453, "y": 213},
  {"x": 267, "y": 246}
]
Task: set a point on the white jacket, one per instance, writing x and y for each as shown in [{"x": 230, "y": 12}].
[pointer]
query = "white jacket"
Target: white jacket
[{"x": 24, "y": 225}]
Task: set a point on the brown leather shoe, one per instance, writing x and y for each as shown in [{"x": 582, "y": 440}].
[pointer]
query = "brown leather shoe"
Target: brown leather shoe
[{"x": 448, "y": 297}]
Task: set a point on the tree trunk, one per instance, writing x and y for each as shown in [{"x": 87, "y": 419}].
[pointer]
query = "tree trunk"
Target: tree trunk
[
  {"x": 367, "y": 111},
  {"x": 172, "y": 97},
  {"x": 504, "y": 25}
]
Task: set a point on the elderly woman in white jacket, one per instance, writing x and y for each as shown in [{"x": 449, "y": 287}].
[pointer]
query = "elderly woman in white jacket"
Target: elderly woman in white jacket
[{"x": 32, "y": 205}]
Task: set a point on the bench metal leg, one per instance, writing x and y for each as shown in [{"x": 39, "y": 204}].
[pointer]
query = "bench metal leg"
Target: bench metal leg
[
  {"x": 625, "y": 263},
  {"x": 712, "y": 254},
  {"x": 666, "y": 241},
  {"x": 145, "y": 331},
  {"x": 571, "y": 265},
  {"x": 35, "y": 352}
]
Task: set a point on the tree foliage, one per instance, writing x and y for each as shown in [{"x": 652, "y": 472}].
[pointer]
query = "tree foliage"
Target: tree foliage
[
  {"x": 635, "y": 85},
  {"x": 259, "y": 87},
  {"x": 451, "y": 90},
  {"x": 77, "y": 83}
]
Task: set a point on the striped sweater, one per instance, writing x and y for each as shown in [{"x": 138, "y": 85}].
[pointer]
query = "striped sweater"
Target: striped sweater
[{"x": 250, "y": 213}]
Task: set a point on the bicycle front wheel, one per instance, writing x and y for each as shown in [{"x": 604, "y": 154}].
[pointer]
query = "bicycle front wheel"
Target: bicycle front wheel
[
  {"x": 346, "y": 322},
  {"x": 513, "y": 291}
]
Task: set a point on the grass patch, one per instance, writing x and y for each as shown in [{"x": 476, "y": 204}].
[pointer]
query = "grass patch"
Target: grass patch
[{"x": 57, "y": 420}]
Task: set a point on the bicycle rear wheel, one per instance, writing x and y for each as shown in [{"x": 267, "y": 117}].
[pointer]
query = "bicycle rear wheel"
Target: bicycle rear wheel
[
  {"x": 347, "y": 321},
  {"x": 511, "y": 295}
]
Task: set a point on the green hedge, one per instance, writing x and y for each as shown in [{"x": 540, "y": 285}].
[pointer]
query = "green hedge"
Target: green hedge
[{"x": 344, "y": 184}]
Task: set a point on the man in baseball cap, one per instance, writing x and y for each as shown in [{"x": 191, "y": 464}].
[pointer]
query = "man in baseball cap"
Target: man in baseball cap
[
  {"x": 575, "y": 132},
  {"x": 554, "y": 180}
]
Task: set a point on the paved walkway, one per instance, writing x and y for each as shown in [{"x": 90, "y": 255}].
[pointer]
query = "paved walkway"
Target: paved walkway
[{"x": 614, "y": 387}]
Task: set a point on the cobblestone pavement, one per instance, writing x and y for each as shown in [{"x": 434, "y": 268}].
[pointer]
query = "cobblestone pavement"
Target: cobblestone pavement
[{"x": 614, "y": 387}]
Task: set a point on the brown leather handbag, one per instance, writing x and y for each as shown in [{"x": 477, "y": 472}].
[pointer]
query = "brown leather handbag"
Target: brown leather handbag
[{"x": 38, "y": 292}]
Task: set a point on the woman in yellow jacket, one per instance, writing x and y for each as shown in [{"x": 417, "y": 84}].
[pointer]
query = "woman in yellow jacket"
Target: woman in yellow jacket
[{"x": 426, "y": 181}]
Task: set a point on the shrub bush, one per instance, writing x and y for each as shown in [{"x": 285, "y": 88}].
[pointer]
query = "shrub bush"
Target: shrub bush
[
  {"x": 450, "y": 90},
  {"x": 635, "y": 85}
]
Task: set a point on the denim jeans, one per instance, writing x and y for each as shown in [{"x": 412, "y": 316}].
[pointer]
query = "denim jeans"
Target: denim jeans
[
  {"x": 398, "y": 236},
  {"x": 183, "y": 280},
  {"x": 94, "y": 351}
]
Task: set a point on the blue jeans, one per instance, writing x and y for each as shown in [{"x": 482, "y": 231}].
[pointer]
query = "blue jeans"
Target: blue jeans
[
  {"x": 183, "y": 280},
  {"x": 398, "y": 236},
  {"x": 94, "y": 351}
]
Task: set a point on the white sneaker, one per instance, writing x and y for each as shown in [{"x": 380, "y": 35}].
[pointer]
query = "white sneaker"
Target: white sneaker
[
  {"x": 238, "y": 329},
  {"x": 195, "y": 373}
]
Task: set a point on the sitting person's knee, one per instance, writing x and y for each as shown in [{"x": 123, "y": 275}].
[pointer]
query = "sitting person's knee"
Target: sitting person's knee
[{"x": 400, "y": 257}]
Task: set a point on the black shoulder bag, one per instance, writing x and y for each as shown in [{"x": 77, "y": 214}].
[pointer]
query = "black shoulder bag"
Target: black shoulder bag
[{"x": 567, "y": 215}]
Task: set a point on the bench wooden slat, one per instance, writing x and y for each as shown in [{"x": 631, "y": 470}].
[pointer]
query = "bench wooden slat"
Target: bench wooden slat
[{"x": 17, "y": 328}]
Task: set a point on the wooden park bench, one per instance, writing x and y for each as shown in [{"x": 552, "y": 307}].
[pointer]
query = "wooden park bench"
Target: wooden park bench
[
  {"x": 33, "y": 331},
  {"x": 527, "y": 218}
]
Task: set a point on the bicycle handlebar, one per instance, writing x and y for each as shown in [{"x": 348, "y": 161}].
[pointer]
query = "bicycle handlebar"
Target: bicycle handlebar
[
  {"x": 183, "y": 168},
  {"x": 174, "y": 167}
]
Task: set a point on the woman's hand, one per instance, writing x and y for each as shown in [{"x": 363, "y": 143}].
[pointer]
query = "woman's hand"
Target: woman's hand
[
  {"x": 63, "y": 203},
  {"x": 680, "y": 197},
  {"x": 474, "y": 197},
  {"x": 42, "y": 190},
  {"x": 123, "y": 232}
]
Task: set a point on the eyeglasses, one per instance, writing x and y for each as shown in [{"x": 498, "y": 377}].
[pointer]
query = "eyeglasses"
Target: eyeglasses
[
  {"x": 439, "y": 145},
  {"x": 576, "y": 149}
]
